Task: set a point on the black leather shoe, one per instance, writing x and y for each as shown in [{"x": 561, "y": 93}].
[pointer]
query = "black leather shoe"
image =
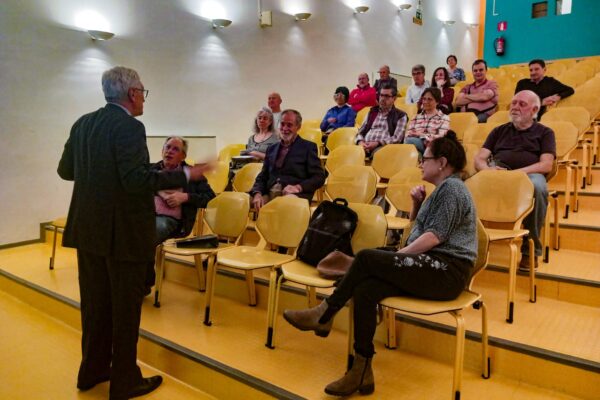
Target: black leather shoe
[
  {"x": 87, "y": 386},
  {"x": 146, "y": 386}
]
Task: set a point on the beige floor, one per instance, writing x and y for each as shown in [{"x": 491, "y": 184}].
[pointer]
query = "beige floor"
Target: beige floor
[
  {"x": 41, "y": 356},
  {"x": 301, "y": 363}
]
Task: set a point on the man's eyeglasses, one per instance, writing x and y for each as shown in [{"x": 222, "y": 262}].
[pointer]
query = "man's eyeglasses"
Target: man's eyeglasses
[{"x": 145, "y": 92}]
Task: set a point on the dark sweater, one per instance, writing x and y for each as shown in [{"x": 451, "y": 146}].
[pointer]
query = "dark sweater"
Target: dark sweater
[{"x": 548, "y": 86}]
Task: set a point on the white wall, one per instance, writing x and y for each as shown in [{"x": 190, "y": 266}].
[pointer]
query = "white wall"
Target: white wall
[{"x": 202, "y": 81}]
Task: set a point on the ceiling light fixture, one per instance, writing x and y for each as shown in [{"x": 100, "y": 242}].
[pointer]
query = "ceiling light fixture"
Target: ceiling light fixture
[
  {"x": 473, "y": 25},
  {"x": 100, "y": 35},
  {"x": 404, "y": 7},
  {"x": 361, "y": 9},
  {"x": 220, "y": 23},
  {"x": 448, "y": 22},
  {"x": 302, "y": 16}
]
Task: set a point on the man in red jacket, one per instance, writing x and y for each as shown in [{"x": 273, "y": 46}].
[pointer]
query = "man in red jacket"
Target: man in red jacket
[{"x": 364, "y": 95}]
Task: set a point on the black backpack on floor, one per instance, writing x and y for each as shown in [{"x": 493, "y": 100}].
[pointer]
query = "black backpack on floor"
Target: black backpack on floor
[{"x": 331, "y": 227}]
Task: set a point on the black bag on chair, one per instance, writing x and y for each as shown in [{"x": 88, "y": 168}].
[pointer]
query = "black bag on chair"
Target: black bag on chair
[
  {"x": 331, "y": 227},
  {"x": 199, "y": 242}
]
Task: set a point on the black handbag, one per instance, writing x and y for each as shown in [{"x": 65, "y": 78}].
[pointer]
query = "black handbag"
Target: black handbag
[{"x": 199, "y": 242}]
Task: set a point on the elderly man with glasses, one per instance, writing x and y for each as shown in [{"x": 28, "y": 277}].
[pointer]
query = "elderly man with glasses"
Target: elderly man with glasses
[
  {"x": 384, "y": 124},
  {"x": 111, "y": 224}
]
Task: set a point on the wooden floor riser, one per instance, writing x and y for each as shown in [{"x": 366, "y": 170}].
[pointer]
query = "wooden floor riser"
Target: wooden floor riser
[{"x": 416, "y": 339}]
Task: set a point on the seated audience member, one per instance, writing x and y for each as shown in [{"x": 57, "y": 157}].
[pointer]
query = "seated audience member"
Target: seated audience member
[
  {"x": 431, "y": 123},
  {"x": 385, "y": 79},
  {"x": 549, "y": 90},
  {"x": 524, "y": 145},
  {"x": 264, "y": 134},
  {"x": 176, "y": 208},
  {"x": 291, "y": 167},
  {"x": 340, "y": 115},
  {"x": 456, "y": 73},
  {"x": 481, "y": 96},
  {"x": 274, "y": 104},
  {"x": 364, "y": 95},
  {"x": 414, "y": 91},
  {"x": 435, "y": 264},
  {"x": 384, "y": 124},
  {"x": 441, "y": 80}
]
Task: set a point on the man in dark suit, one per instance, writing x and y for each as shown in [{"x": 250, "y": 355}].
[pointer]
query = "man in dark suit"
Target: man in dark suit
[
  {"x": 111, "y": 224},
  {"x": 291, "y": 167}
]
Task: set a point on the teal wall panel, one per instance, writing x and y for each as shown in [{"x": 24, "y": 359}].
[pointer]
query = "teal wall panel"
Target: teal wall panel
[{"x": 551, "y": 37}]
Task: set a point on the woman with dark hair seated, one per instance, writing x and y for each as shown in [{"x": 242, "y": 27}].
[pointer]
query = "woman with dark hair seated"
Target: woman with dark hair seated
[
  {"x": 441, "y": 80},
  {"x": 456, "y": 74},
  {"x": 430, "y": 123},
  {"x": 435, "y": 264}
]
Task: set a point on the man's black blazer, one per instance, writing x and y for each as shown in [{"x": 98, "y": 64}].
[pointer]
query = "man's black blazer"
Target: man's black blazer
[
  {"x": 112, "y": 206},
  {"x": 301, "y": 166}
]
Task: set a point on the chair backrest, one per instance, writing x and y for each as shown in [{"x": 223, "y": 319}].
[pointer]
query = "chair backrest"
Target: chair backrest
[
  {"x": 471, "y": 151},
  {"x": 355, "y": 183},
  {"x": 341, "y": 136},
  {"x": 227, "y": 214},
  {"x": 311, "y": 134},
  {"x": 245, "y": 177},
  {"x": 483, "y": 245},
  {"x": 406, "y": 175},
  {"x": 345, "y": 155},
  {"x": 311, "y": 123},
  {"x": 360, "y": 116},
  {"x": 218, "y": 177},
  {"x": 283, "y": 221},
  {"x": 478, "y": 133},
  {"x": 402, "y": 90},
  {"x": 398, "y": 194},
  {"x": 410, "y": 109},
  {"x": 371, "y": 228},
  {"x": 391, "y": 158},
  {"x": 502, "y": 198},
  {"x": 566, "y": 135},
  {"x": 579, "y": 116},
  {"x": 499, "y": 117},
  {"x": 461, "y": 121},
  {"x": 231, "y": 150}
]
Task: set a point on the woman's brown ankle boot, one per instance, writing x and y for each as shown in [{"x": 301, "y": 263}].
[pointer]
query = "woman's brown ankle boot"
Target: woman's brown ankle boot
[{"x": 359, "y": 377}]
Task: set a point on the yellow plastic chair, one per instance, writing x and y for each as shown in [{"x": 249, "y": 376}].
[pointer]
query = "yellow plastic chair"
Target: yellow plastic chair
[
  {"x": 402, "y": 91},
  {"x": 245, "y": 177},
  {"x": 572, "y": 78},
  {"x": 555, "y": 69},
  {"x": 229, "y": 151},
  {"x": 391, "y": 158},
  {"x": 499, "y": 117},
  {"x": 410, "y": 109},
  {"x": 345, "y": 155},
  {"x": 281, "y": 224},
  {"x": 354, "y": 183},
  {"x": 369, "y": 233},
  {"x": 586, "y": 97},
  {"x": 503, "y": 199},
  {"x": 461, "y": 121},
  {"x": 313, "y": 135},
  {"x": 226, "y": 216},
  {"x": 311, "y": 124},
  {"x": 471, "y": 151},
  {"x": 477, "y": 134},
  {"x": 580, "y": 117},
  {"x": 468, "y": 298},
  {"x": 218, "y": 178},
  {"x": 360, "y": 116},
  {"x": 340, "y": 137},
  {"x": 567, "y": 62},
  {"x": 57, "y": 224}
]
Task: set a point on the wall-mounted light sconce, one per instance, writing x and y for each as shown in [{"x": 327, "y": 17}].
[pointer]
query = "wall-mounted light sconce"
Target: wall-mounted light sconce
[
  {"x": 473, "y": 25},
  {"x": 404, "y": 7},
  {"x": 361, "y": 9},
  {"x": 302, "y": 16},
  {"x": 220, "y": 23},
  {"x": 448, "y": 22},
  {"x": 266, "y": 19},
  {"x": 100, "y": 35}
]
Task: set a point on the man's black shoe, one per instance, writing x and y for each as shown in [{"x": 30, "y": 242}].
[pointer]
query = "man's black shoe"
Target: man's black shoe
[
  {"x": 146, "y": 386},
  {"x": 87, "y": 386}
]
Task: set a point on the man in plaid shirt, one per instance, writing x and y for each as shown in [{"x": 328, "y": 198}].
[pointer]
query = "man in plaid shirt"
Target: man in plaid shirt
[{"x": 384, "y": 124}]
